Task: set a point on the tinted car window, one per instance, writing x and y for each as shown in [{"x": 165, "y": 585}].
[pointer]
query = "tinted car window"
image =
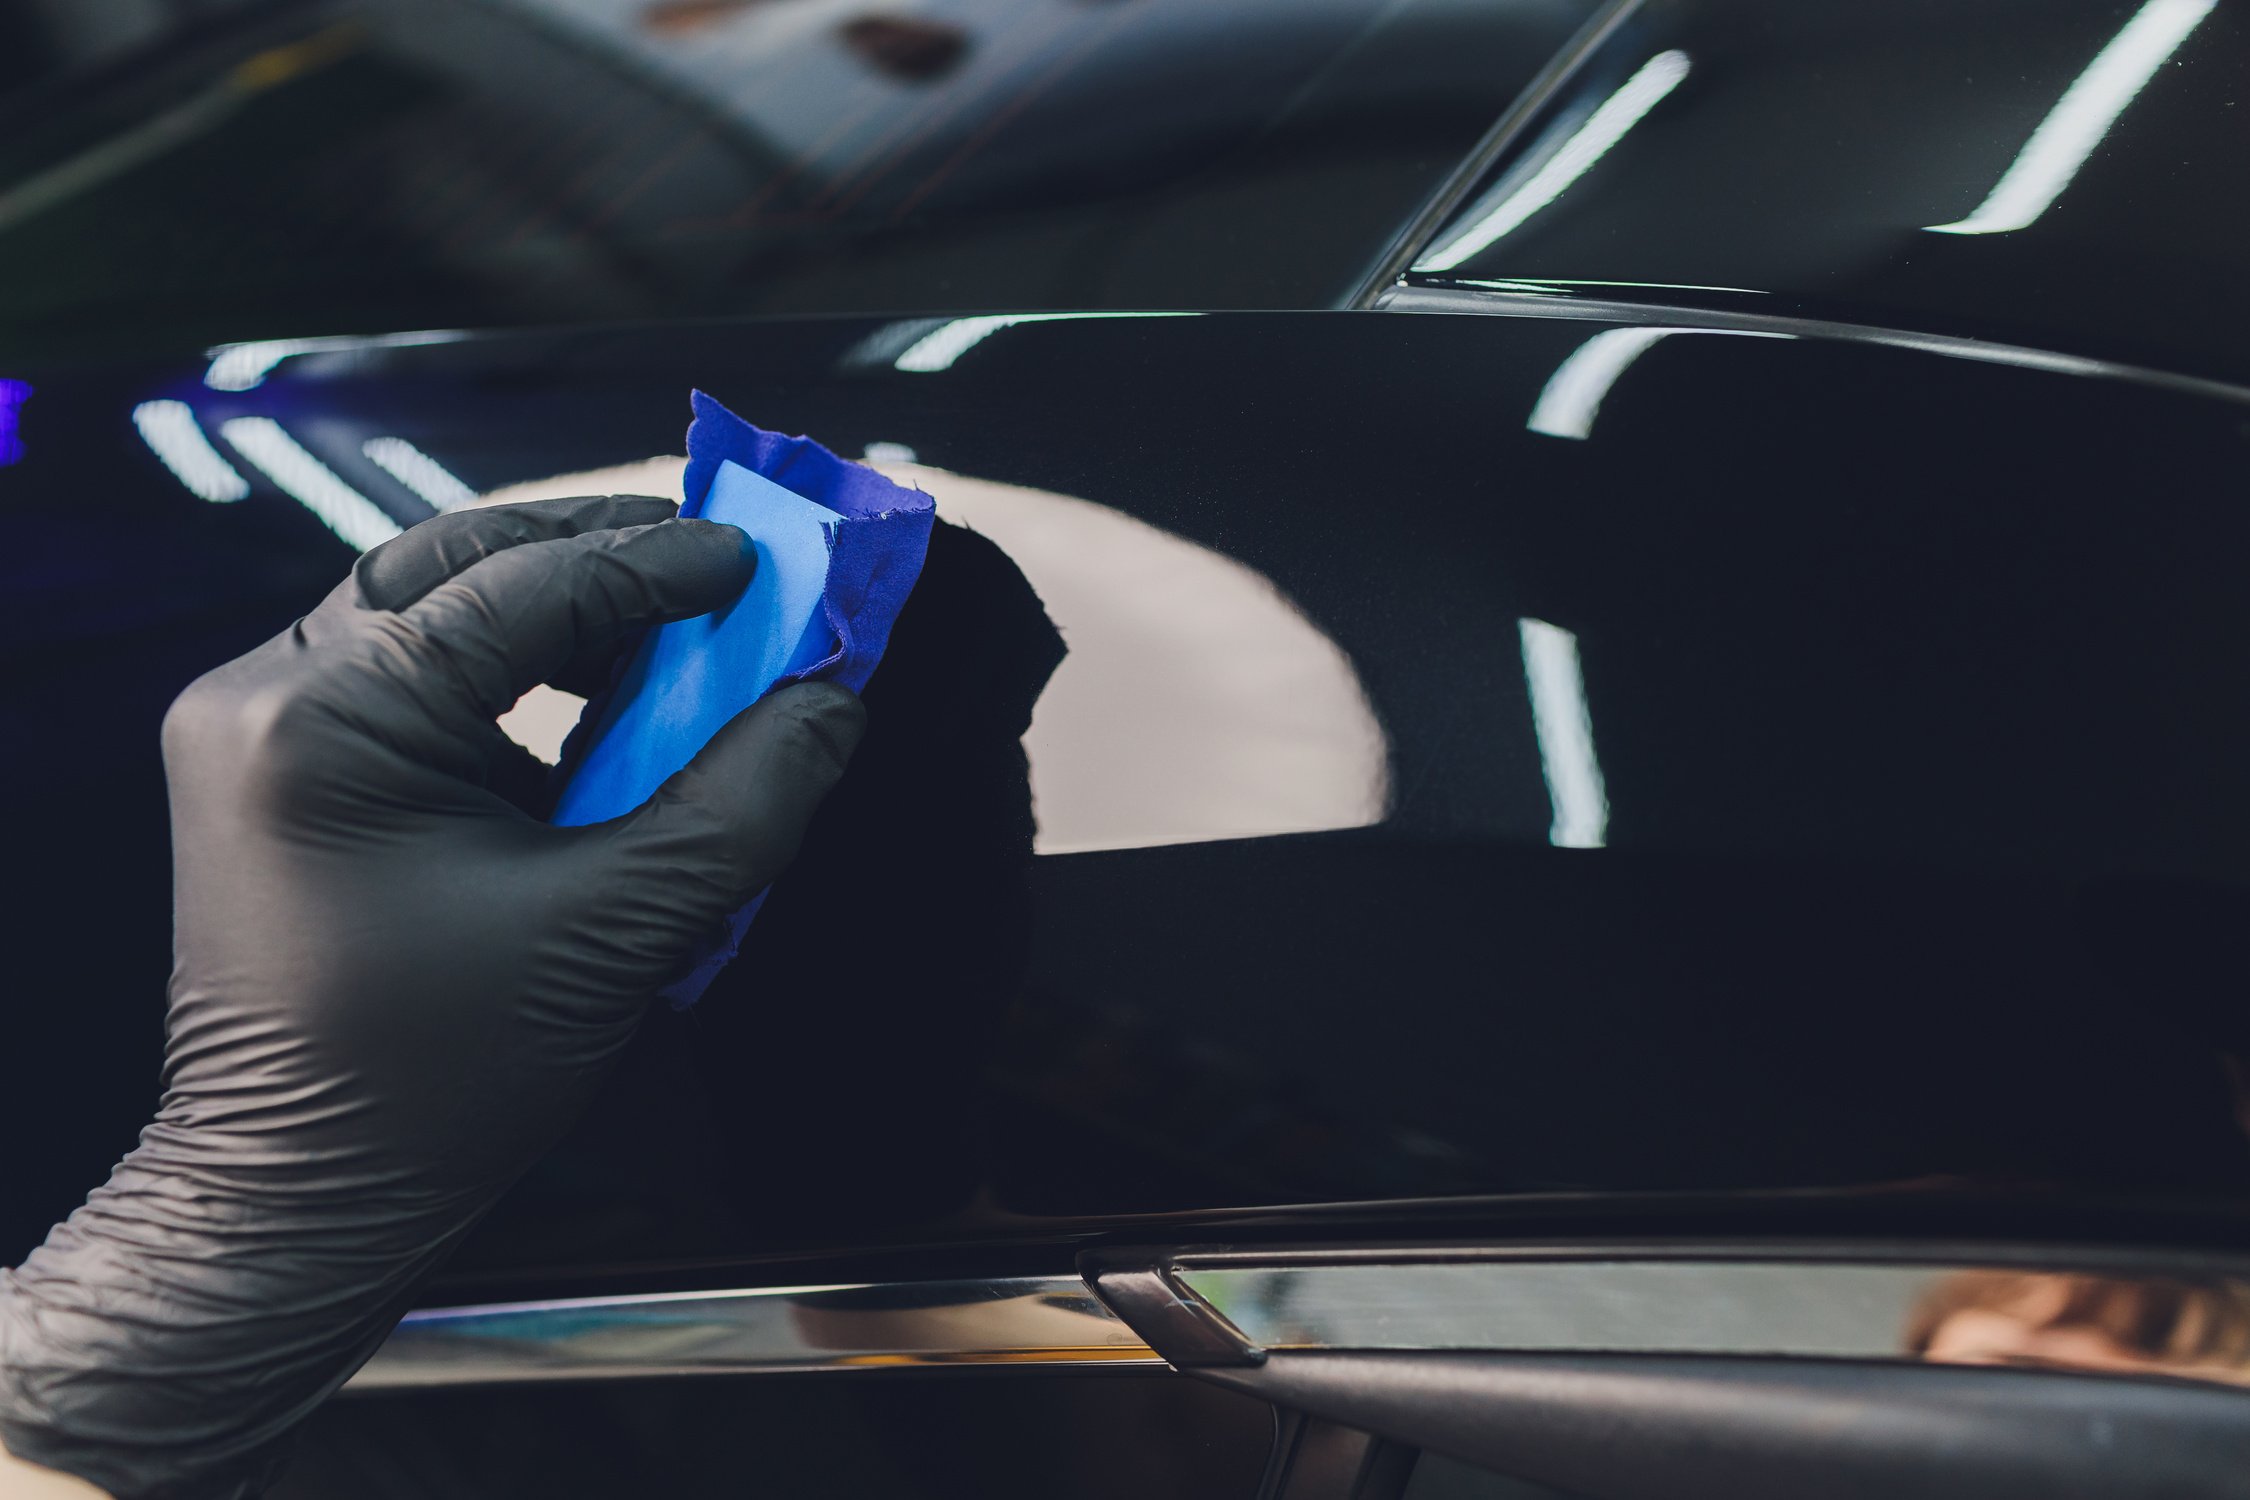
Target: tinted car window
[
  {"x": 409, "y": 163},
  {"x": 2060, "y": 175}
]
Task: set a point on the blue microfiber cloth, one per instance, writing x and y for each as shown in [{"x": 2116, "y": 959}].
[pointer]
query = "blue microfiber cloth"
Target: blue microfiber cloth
[{"x": 839, "y": 547}]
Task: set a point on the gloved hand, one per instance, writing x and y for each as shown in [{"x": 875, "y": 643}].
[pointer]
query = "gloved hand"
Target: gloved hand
[{"x": 394, "y": 986}]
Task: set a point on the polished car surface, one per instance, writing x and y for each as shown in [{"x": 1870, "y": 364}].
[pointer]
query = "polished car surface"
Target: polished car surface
[
  {"x": 1416, "y": 804},
  {"x": 1589, "y": 677}
]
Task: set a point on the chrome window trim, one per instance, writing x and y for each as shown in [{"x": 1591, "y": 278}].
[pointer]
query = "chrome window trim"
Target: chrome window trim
[
  {"x": 1415, "y": 235},
  {"x": 1200, "y": 1309},
  {"x": 1046, "y": 1321}
]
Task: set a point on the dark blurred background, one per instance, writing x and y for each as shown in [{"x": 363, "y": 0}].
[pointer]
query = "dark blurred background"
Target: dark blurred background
[{"x": 238, "y": 169}]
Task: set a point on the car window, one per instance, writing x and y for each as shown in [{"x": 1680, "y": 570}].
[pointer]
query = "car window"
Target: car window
[
  {"x": 2062, "y": 175},
  {"x": 409, "y": 163}
]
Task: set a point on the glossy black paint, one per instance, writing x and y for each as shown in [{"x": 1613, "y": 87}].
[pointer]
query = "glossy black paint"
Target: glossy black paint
[
  {"x": 891, "y": 1437},
  {"x": 1915, "y": 681},
  {"x": 1832, "y": 161},
  {"x": 315, "y": 168}
]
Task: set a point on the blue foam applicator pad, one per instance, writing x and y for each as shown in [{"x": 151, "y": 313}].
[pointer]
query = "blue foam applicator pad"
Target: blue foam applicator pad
[{"x": 839, "y": 548}]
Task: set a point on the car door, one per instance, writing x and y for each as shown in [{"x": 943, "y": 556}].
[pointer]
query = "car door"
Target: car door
[
  {"x": 1528, "y": 889},
  {"x": 1430, "y": 1003}
]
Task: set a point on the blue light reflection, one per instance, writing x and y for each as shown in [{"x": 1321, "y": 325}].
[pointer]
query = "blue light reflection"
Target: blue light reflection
[{"x": 13, "y": 394}]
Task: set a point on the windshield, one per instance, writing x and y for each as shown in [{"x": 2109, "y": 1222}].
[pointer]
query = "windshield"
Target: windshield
[{"x": 2062, "y": 174}]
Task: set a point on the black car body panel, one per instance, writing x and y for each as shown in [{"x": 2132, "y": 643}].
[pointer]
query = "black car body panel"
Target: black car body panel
[{"x": 1908, "y": 699}]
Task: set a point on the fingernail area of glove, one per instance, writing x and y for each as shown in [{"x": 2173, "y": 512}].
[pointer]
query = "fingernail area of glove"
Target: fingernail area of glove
[
  {"x": 710, "y": 541},
  {"x": 745, "y": 545}
]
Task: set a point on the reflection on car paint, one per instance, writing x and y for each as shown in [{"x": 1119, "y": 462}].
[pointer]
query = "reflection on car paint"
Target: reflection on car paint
[
  {"x": 177, "y": 439},
  {"x": 1573, "y": 395},
  {"x": 1891, "y": 914},
  {"x": 1196, "y": 703},
  {"x": 1565, "y": 726},
  {"x": 13, "y": 394},
  {"x": 245, "y": 366},
  {"x": 939, "y": 348},
  {"x": 309, "y": 482},
  {"x": 439, "y": 487}
]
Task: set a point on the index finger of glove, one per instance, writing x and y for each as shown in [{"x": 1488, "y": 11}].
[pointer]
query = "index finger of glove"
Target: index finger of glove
[
  {"x": 408, "y": 566},
  {"x": 515, "y": 619}
]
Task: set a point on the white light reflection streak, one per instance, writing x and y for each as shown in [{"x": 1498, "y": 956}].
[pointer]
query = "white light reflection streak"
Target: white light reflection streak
[
  {"x": 308, "y": 481},
  {"x": 244, "y": 367},
  {"x": 170, "y": 430},
  {"x": 1572, "y": 396},
  {"x": 2084, "y": 114},
  {"x": 938, "y": 349},
  {"x": 424, "y": 475},
  {"x": 1603, "y": 129},
  {"x": 1566, "y": 736}
]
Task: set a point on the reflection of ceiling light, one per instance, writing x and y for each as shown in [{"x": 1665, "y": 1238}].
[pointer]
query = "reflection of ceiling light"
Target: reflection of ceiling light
[
  {"x": 1566, "y": 736},
  {"x": 419, "y": 472},
  {"x": 1197, "y": 701},
  {"x": 1604, "y": 128},
  {"x": 542, "y": 720},
  {"x": 2084, "y": 114},
  {"x": 1549, "y": 283},
  {"x": 308, "y": 481},
  {"x": 938, "y": 349},
  {"x": 1572, "y": 396},
  {"x": 169, "y": 428},
  {"x": 243, "y": 367}
]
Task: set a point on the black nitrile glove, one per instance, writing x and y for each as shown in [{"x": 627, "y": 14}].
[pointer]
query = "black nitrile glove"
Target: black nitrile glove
[{"x": 394, "y": 986}]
